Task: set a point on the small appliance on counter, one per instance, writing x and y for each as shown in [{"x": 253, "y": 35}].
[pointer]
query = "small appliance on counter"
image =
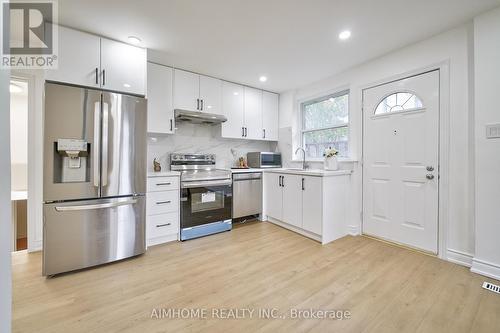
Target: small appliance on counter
[
  {"x": 264, "y": 160},
  {"x": 206, "y": 195}
]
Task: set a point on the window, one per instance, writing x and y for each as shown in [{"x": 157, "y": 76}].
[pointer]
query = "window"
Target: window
[
  {"x": 397, "y": 102},
  {"x": 325, "y": 124}
]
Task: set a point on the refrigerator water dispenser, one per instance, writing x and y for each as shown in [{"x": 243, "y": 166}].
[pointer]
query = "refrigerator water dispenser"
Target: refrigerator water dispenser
[{"x": 71, "y": 161}]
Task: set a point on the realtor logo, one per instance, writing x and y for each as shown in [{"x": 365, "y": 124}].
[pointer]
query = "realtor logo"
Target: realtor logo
[{"x": 29, "y": 35}]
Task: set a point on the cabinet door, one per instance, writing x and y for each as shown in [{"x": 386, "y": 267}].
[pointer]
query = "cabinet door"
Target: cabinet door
[
  {"x": 160, "y": 107},
  {"x": 123, "y": 67},
  {"x": 292, "y": 200},
  {"x": 210, "y": 94},
  {"x": 270, "y": 116},
  {"x": 233, "y": 109},
  {"x": 312, "y": 204},
  {"x": 253, "y": 113},
  {"x": 79, "y": 59},
  {"x": 273, "y": 196},
  {"x": 186, "y": 90}
]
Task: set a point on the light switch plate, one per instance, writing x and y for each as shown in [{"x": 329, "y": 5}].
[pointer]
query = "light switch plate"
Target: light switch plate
[{"x": 492, "y": 131}]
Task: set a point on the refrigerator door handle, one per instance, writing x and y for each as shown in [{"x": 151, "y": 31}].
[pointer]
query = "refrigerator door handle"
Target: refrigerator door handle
[
  {"x": 105, "y": 122},
  {"x": 97, "y": 142},
  {"x": 95, "y": 206}
]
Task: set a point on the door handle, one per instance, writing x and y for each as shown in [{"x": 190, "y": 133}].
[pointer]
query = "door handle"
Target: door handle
[
  {"x": 243, "y": 131},
  {"x": 104, "y": 165},
  {"x": 96, "y": 206},
  {"x": 197, "y": 104},
  {"x": 263, "y": 133},
  {"x": 171, "y": 125},
  {"x": 303, "y": 188},
  {"x": 279, "y": 181},
  {"x": 201, "y": 105},
  {"x": 429, "y": 176},
  {"x": 430, "y": 168},
  {"x": 97, "y": 143},
  {"x": 246, "y": 132},
  {"x": 163, "y": 184},
  {"x": 103, "y": 77},
  {"x": 283, "y": 181},
  {"x": 163, "y": 225},
  {"x": 96, "y": 75}
]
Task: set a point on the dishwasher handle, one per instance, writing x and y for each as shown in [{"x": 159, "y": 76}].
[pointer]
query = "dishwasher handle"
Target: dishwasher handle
[{"x": 247, "y": 176}]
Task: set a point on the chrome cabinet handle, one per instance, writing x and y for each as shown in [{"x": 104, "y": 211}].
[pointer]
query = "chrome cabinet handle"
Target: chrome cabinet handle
[
  {"x": 429, "y": 176},
  {"x": 163, "y": 202},
  {"x": 163, "y": 225},
  {"x": 96, "y": 206}
]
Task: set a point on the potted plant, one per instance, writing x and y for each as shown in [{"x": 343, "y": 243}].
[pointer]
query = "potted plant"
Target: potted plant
[{"x": 331, "y": 162}]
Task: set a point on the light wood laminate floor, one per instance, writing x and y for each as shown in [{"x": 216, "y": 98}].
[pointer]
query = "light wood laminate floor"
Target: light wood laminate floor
[{"x": 258, "y": 265}]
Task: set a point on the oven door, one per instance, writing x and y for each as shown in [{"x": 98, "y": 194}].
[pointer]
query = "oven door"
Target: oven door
[{"x": 205, "y": 202}]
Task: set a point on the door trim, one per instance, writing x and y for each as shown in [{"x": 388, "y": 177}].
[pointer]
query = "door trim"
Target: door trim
[{"x": 443, "y": 145}]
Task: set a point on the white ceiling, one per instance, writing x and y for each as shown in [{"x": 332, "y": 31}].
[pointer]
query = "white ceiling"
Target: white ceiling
[{"x": 292, "y": 42}]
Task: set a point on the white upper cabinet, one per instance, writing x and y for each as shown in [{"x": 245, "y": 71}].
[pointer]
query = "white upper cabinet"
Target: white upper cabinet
[
  {"x": 253, "y": 113},
  {"x": 270, "y": 105},
  {"x": 186, "y": 90},
  {"x": 233, "y": 108},
  {"x": 159, "y": 95},
  {"x": 91, "y": 61},
  {"x": 123, "y": 67},
  {"x": 78, "y": 59},
  {"x": 195, "y": 92},
  {"x": 210, "y": 95}
]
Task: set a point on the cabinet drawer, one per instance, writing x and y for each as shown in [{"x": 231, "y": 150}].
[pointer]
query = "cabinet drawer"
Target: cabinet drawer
[
  {"x": 162, "y": 202},
  {"x": 162, "y": 225},
  {"x": 156, "y": 184}
]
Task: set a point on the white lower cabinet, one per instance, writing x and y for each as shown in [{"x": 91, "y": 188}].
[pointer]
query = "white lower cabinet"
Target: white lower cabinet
[
  {"x": 314, "y": 206},
  {"x": 162, "y": 210}
]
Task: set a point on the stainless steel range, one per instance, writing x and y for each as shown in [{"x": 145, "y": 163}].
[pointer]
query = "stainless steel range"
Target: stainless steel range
[{"x": 206, "y": 195}]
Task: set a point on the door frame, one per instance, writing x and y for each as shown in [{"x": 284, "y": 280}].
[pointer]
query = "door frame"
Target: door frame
[
  {"x": 443, "y": 145},
  {"x": 34, "y": 205}
]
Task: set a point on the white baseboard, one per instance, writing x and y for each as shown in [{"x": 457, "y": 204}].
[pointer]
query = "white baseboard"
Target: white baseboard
[
  {"x": 485, "y": 268},
  {"x": 161, "y": 240},
  {"x": 459, "y": 257},
  {"x": 353, "y": 230}
]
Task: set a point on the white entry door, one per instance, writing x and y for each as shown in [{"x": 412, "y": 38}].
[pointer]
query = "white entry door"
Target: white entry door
[{"x": 400, "y": 168}]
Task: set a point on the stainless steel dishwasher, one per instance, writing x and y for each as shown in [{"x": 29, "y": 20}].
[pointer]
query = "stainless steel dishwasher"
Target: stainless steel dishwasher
[{"x": 247, "y": 194}]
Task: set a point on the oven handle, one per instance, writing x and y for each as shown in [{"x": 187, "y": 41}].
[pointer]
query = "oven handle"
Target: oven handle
[{"x": 225, "y": 182}]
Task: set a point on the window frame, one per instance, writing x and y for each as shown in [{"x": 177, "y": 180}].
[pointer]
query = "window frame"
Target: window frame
[{"x": 321, "y": 98}]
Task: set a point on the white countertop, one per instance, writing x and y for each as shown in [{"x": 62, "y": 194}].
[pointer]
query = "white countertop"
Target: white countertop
[
  {"x": 164, "y": 174},
  {"x": 311, "y": 172},
  {"x": 18, "y": 195},
  {"x": 247, "y": 170}
]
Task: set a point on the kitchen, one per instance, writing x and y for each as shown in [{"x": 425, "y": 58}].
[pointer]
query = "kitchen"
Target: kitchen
[{"x": 158, "y": 162}]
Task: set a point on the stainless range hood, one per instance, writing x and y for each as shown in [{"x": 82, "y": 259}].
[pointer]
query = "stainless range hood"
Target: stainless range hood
[{"x": 197, "y": 117}]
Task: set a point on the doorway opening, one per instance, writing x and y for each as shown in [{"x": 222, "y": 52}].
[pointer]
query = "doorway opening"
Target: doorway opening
[{"x": 19, "y": 104}]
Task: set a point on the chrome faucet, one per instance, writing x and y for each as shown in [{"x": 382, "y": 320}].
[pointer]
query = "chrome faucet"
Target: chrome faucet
[{"x": 304, "y": 164}]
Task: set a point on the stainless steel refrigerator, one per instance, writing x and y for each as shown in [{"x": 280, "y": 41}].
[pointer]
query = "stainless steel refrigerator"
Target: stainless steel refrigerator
[{"x": 94, "y": 177}]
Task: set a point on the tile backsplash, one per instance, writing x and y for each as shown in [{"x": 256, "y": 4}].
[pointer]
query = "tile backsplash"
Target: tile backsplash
[{"x": 195, "y": 138}]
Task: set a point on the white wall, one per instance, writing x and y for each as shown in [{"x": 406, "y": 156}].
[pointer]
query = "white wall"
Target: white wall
[
  {"x": 5, "y": 206},
  {"x": 19, "y": 138},
  {"x": 487, "y": 111},
  {"x": 453, "y": 47}
]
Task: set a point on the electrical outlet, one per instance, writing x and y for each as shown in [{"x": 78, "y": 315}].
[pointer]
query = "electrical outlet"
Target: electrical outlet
[{"x": 492, "y": 131}]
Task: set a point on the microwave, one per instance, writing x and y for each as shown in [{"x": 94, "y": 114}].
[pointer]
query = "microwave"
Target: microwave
[{"x": 264, "y": 160}]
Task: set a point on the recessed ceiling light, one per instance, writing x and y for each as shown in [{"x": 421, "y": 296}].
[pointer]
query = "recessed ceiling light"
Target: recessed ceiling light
[
  {"x": 134, "y": 40},
  {"x": 126, "y": 85},
  {"x": 346, "y": 34},
  {"x": 236, "y": 93},
  {"x": 15, "y": 89},
  {"x": 263, "y": 79}
]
